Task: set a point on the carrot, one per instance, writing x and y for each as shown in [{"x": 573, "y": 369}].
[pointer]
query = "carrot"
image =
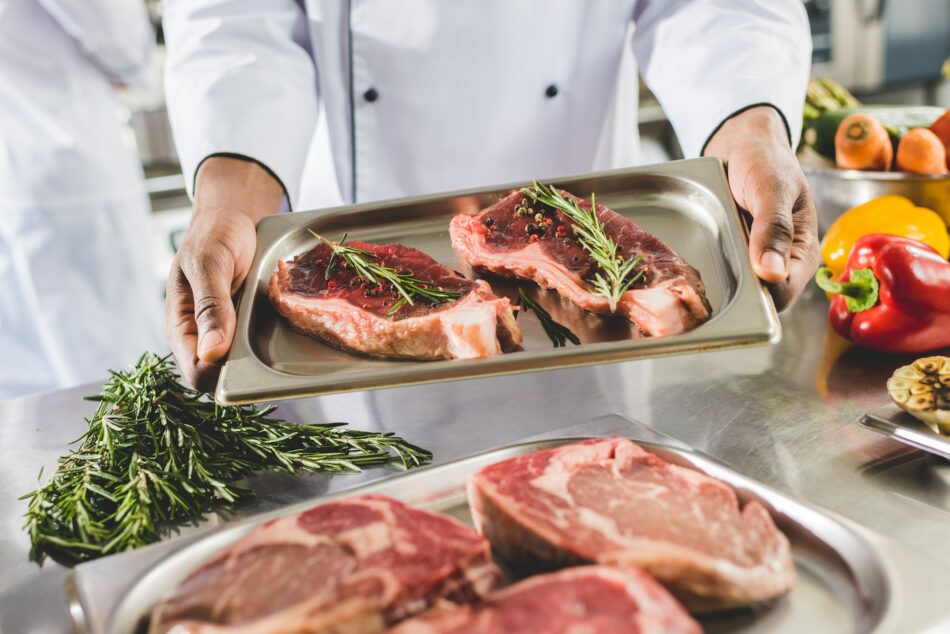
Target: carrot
[
  {"x": 941, "y": 127},
  {"x": 922, "y": 152},
  {"x": 862, "y": 143}
]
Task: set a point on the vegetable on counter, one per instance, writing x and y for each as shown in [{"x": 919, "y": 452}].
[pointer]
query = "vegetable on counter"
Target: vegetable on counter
[
  {"x": 894, "y": 295},
  {"x": 893, "y": 215},
  {"x": 920, "y": 151},
  {"x": 820, "y": 132},
  {"x": 923, "y": 390},
  {"x": 862, "y": 143},
  {"x": 826, "y": 95},
  {"x": 158, "y": 455},
  {"x": 941, "y": 127}
]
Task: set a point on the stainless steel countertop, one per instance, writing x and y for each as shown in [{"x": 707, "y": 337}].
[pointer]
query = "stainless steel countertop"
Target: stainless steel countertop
[{"x": 785, "y": 415}]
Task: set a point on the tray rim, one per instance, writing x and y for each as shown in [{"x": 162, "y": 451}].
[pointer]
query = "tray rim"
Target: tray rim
[
  {"x": 881, "y": 609},
  {"x": 244, "y": 378}
]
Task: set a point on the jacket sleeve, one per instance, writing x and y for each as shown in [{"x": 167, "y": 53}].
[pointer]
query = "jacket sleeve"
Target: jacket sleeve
[
  {"x": 115, "y": 34},
  {"x": 239, "y": 80},
  {"x": 705, "y": 60}
]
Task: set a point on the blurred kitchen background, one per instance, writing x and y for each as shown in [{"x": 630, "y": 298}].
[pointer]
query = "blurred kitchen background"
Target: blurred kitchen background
[{"x": 884, "y": 51}]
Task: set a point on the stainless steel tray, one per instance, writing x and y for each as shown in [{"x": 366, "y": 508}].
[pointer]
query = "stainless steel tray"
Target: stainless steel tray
[
  {"x": 850, "y": 580},
  {"x": 895, "y": 423},
  {"x": 685, "y": 203}
]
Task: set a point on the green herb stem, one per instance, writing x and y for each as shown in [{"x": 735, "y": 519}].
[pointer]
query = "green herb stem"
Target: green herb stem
[
  {"x": 615, "y": 274},
  {"x": 557, "y": 333},
  {"x": 368, "y": 268},
  {"x": 157, "y": 455}
]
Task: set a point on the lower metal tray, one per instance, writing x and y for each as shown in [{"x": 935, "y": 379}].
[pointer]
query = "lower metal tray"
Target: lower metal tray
[
  {"x": 685, "y": 203},
  {"x": 850, "y": 580}
]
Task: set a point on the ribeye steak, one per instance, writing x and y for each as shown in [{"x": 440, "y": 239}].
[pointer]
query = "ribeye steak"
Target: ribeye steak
[
  {"x": 541, "y": 246},
  {"x": 355, "y": 565},
  {"x": 608, "y": 501},
  {"x": 585, "y": 599},
  {"x": 350, "y": 313}
]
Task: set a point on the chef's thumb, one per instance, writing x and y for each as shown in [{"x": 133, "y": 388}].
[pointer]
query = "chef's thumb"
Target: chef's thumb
[
  {"x": 771, "y": 236},
  {"x": 214, "y": 311}
]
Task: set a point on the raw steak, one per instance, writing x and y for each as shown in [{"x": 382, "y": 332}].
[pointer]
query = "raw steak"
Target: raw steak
[
  {"x": 610, "y": 502},
  {"x": 356, "y": 565},
  {"x": 582, "y": 600},
  {"x": 347, "y": 312},
  {"x": 668, "y": 299}
]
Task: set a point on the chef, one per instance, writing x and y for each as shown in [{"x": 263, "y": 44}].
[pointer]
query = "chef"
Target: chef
[
  {"x": 76, "y": 291},
  {"x": 277, "y": 105}
]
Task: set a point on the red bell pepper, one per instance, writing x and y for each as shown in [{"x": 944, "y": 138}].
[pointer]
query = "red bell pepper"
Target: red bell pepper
[{"x": 894, "y": 295}]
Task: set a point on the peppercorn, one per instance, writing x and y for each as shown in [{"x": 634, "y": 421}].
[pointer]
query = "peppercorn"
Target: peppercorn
[
  {"x": 331, "y": 284},
  {"x": 531, "y": 228},
  {"x": 533, "y": 238},
  {"x": 489, "y": 221}
]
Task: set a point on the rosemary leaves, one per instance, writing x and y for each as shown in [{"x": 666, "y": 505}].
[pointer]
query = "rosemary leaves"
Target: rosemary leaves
[
  {"x": 559, "y": 334},
  {"x": 615, "y": 274},
  {"x": 367, "y": 267},
  {"x": 158, "y": 454}
]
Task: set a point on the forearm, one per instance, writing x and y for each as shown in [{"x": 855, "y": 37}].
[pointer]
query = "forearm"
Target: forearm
[
  {"x": 762, "y": 124},
  {"x": 236, "y": 186}
]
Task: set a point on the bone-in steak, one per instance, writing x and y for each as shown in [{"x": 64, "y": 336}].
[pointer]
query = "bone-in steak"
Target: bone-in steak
[
  {"x": 356, "y": 565},
  {"x": 350, "y": 313},
  {"x": 585, "y": 599},
  {"x": 541, "y": 246},
  {"x": 609, "y": 501}
]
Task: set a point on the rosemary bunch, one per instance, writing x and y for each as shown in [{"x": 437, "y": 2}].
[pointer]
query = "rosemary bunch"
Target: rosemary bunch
[
  {"x": 158, "y": 455},
  {"x": 367, "y": 267},
  {"x": 615, "y": 274},
  {"x": 559, "y": 334}
]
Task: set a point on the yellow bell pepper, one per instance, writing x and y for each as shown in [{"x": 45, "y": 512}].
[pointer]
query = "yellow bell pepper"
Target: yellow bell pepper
[{"x": 894, "y": 215}]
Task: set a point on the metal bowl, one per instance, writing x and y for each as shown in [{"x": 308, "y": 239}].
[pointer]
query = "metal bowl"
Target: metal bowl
[{"x": 835, "y": 191}]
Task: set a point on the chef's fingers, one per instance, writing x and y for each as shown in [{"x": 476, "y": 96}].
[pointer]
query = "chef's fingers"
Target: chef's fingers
[
  {"x": 209, "y": 274},
  {"x": 772, "y": 203},
  {"x": 181, "y": 332},
  {"x": 804, "y": 254}
]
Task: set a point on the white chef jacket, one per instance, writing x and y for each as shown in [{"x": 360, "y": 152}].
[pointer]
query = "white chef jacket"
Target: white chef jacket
[
  {"x": 76, "y": 293},
  {"x": 356, "y": 100}
]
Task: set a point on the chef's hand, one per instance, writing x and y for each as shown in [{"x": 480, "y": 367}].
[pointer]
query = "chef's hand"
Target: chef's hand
[
  {"x": 231, "y": 195},
  {"x": 767, "y": 181}
]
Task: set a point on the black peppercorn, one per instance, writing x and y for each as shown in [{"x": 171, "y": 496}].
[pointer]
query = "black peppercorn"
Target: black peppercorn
[{"x": 489, "y": 221}]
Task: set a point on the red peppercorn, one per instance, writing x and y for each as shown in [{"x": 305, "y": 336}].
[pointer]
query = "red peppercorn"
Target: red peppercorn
[
  {"x": 533, "y": 238},
  {"x": 331, "y": 284}
]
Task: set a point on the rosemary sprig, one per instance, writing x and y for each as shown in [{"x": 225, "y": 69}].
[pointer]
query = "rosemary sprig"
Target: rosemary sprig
[
  {"x": 367, "y": 267},
  {"x": 616, "y": 274},
  {"x": 559, "y": 334},
  {"x": 157, "y": 455}
]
